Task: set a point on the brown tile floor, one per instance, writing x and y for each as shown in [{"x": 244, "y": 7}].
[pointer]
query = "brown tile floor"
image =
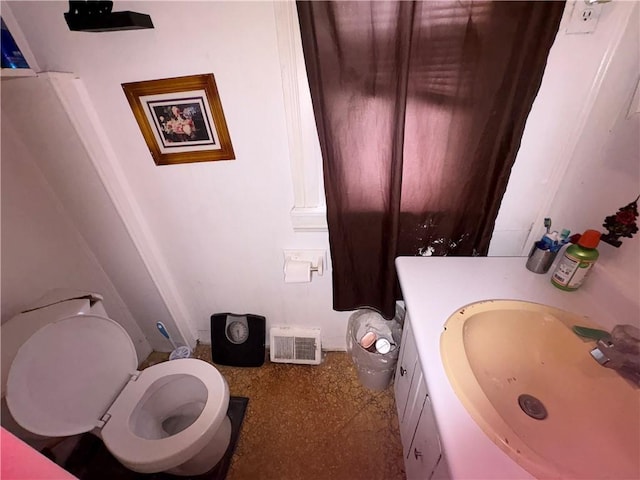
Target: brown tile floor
[{"x": 311, "y": 422}]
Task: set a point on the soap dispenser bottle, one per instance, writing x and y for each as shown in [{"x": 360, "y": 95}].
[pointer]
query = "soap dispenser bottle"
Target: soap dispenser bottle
[{"x": 577, "y": 262}]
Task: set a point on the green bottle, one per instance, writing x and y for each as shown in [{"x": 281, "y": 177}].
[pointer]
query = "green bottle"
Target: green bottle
[{"x": 577, "y": 262}]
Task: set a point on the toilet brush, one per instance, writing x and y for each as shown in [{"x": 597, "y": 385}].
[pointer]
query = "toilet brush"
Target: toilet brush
[{"x": 178, "y": 352}]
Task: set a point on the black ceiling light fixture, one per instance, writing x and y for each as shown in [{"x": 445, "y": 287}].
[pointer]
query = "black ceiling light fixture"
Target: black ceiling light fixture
[{"x": 96, "y": 16}]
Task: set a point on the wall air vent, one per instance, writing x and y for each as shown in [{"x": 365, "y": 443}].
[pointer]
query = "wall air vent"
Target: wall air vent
[{"x": 295, "y": 345}]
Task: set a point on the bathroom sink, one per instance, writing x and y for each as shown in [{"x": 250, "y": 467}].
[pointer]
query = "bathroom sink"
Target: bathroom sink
[{"x": 505, "y": 358}]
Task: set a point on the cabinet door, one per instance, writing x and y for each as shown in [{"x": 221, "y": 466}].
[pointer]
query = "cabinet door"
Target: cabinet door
[
  {"x": 405, "y": 370},
  {"x": 408, "y": 426},
  {"x": 425, "y": 451},
  {"x": 442, "y": 470}
]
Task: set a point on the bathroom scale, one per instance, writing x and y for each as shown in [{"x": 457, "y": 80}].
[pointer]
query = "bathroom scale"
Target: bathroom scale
[{"x": 238, "y": 340}]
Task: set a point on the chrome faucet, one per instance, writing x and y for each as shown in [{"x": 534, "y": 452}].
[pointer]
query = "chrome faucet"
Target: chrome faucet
[{"x": 621, "y": 352}]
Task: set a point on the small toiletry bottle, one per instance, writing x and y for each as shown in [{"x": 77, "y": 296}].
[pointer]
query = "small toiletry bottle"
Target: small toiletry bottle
[{"x": 577, "y": 262}]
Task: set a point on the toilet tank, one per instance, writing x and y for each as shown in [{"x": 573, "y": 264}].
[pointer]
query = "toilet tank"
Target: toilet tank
[{"x": 51, "y": 307}]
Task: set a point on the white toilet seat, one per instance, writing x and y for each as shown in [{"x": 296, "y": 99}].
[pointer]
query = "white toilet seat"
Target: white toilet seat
[
  {"x": 67, "y": 374},
  {"x": 79, "y": 373},
  {"x": 165, "y": 453}
]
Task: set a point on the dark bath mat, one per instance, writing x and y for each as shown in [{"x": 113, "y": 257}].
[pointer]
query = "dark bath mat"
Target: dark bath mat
[{"x": 90, "y": 460}]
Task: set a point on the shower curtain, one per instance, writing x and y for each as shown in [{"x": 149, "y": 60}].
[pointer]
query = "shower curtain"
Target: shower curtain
[{"x": 420, "y": 108}]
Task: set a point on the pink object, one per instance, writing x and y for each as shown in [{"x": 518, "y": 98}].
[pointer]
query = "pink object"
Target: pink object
[
  {"x": 21, "y": 462},
  {"x": 368, "y": 341}
]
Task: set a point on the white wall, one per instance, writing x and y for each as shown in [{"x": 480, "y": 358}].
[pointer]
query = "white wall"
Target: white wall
[
  {"x": 589, "y": 80},
  {"x": 220, "y": 227},
  {"x": 46, "y": 131},
  {"x": 580, "y": 155},
  {"x": 41, "y": 247},
  {"x": 604, "y": 171}
]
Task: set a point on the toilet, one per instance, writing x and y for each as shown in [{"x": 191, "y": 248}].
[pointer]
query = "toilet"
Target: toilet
[{"x": 69, "y": 369}]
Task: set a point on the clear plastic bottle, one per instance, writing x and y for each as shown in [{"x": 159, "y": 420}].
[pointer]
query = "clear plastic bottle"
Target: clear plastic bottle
[{"x": 577, "y": 262}]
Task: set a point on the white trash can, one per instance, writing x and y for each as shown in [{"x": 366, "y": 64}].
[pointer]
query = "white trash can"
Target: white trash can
[{"x": 376, "y": 364}]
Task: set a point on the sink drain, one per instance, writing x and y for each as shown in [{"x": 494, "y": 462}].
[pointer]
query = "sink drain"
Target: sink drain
[{"x": 532, "y": 406}]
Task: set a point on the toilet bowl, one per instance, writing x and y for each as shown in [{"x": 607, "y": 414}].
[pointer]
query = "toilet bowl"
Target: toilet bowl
[
  {"x": 174, "y": 423},
  {"x": 78, "y": 374}
]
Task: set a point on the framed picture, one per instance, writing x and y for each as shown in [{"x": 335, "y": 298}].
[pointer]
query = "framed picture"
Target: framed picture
[{"x": 181, "y": 119}]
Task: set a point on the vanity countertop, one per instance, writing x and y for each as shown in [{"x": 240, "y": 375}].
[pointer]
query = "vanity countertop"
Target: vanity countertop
[{"x": 434, "y": 288}]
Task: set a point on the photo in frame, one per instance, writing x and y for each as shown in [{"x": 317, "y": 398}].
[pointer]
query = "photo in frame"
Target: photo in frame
[{"x": 181, "y": 119}]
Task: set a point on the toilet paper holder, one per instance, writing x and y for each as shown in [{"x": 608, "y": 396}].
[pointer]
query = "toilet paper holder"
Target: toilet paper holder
[{"x": 314, "y": 257}]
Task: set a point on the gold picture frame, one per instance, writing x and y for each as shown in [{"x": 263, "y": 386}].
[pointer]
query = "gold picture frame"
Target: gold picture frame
[{"x": 181, "y": 119}]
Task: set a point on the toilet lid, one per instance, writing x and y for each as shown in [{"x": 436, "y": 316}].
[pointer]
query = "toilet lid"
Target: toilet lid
[{"x": 65, "y": 377}]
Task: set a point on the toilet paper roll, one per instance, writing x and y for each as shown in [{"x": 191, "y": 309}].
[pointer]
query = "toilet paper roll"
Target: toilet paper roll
[{"x": 297, "y": 271}]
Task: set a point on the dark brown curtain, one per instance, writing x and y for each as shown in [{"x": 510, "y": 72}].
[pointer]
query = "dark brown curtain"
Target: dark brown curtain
[{"x": 420, "y": 108}]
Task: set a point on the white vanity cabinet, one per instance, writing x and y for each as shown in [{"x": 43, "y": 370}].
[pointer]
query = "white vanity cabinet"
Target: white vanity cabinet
[{"x": 423, "y": 456}]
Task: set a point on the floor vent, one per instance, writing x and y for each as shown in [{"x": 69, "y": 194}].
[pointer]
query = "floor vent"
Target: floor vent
[{"x": 295, "y": 345}]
